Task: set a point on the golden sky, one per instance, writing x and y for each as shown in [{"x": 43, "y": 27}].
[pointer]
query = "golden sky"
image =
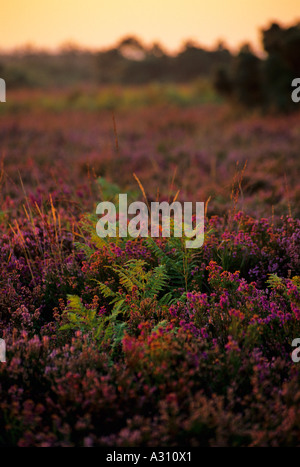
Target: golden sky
[{"x": 98, "y": 23}]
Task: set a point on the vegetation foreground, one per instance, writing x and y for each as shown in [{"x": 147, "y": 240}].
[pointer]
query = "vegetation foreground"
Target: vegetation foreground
[{"x": 123, "y": 342}]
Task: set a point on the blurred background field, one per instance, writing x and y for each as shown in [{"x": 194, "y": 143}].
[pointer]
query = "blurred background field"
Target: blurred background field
[{"x": 174, "y": 137}]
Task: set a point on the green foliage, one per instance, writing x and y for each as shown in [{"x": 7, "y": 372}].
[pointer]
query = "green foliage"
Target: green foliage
[
  {"x": 80, "y": 318},
  {"x": 88, "y": 251},
  {"x": 266, "y": 83},
  {"x": 178, "y": 261},
  {"x": 279, "y": 283},
  {"x": 135, "y": 279},
  {"x": 274, "y": 281},
  {"x": 109, "y": 190},
  {"x": 102, "y": 329}
]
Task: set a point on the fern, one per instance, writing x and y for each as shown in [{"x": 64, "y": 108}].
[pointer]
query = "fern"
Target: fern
[
  {"x": 162, "y": 324},
  {"x": 79, "y": 317},
  {"x": 274, "y": 281},
  {"x": 133, "y": 276},
  {"x": 88, "y": 251},
  {"x": 157, "y": 281},
  {"x": 100, "y": 328},
  {"x": 179, "y": 265},
  {"x": 106, "y": 291}
]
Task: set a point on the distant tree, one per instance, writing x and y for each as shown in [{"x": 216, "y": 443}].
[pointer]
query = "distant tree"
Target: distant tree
[
  {"x": 156, "y": 50},
  {"x": 271, "y": 39},
  {"x": 132, "y": 48},
  {"x": 282, "y": 64},
  {"x": 110, "y": 66},
  {"x": 264, "y": 82},
  {"x": 247, "y": 78},
  {"x": 284, "y": 44},
  {"x": 190, "y": 63},
  {"x": 222, "y": 82}
]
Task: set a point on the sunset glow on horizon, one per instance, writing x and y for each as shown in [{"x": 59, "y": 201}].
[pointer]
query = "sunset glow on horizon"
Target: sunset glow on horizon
[{"x": 99, "y": 23}]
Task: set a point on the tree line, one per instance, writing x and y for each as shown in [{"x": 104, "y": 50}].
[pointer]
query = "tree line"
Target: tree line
[
  {"x": 264, "y": 82},
  {"x": 244, "y": 78}
]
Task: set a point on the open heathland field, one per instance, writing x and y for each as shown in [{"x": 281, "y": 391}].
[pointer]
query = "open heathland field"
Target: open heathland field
[{"x": 143, "y": 342}]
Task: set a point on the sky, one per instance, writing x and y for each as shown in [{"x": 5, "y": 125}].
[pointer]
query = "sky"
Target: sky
[{"x": 101, "y": 23}]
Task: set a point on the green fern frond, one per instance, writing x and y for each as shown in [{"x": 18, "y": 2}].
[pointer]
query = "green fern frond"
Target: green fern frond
[
  {"x": 162, "y": 324},
  {"x": 74, "y": 305},
  {"x": 106, "y": 291},
  {"x": 85, "y": 248},
  {"x": 274, "y": 281},
  {"x": 157, "y": 281}
]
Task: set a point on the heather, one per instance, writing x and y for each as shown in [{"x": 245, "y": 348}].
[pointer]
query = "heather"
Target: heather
[{"x": 141, "y": 342}]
